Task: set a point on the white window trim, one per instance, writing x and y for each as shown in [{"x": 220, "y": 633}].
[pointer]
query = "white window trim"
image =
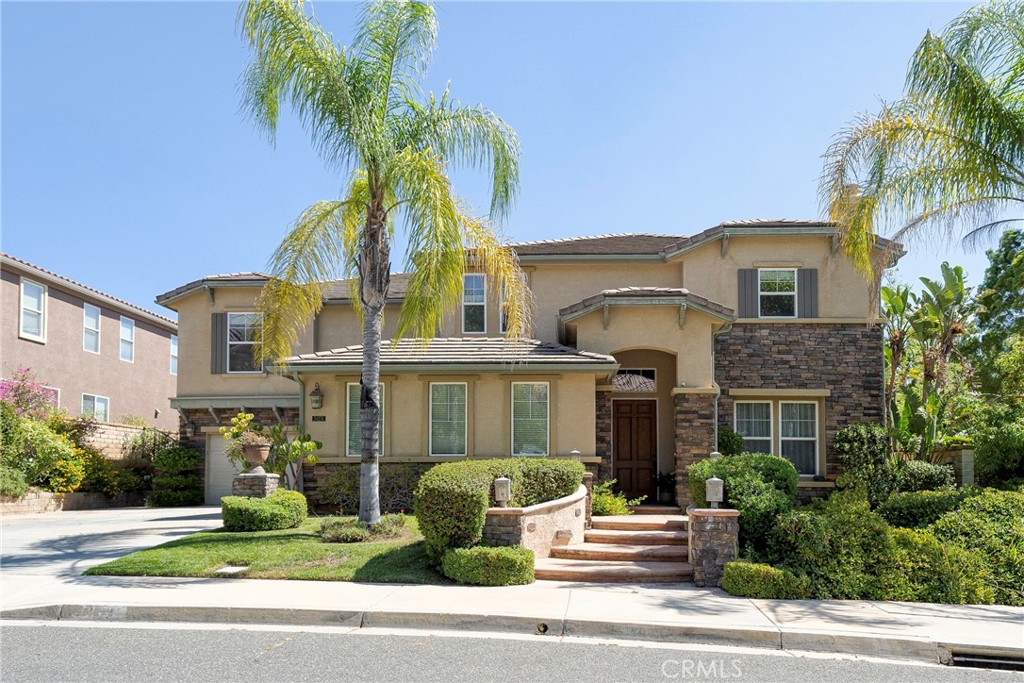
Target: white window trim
[
  {"x": 120, "y": 338},
  {"x": 348, "y": 422},
  {"x": 172, "y": 362},
  {"x": 95, "y": 397},
  {"x": 796, "y": 295},
  {"x": 228, "y": 343},
  {"x": 98, "y": 330},
  {"x": 41, "y": 337},
  {"x": 771, "y": 423},
  {"x": 816, "y": 438},
  {"x": 430, "y": 421},
  {"x": 512, "y": 421},
  {"x": 484, "y": 304}
]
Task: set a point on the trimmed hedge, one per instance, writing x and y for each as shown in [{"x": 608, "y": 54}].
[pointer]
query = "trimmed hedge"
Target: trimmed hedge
[
  {"x": 484, "y": 566},
  {"x": 175, "y": 483},
  {"x": 920, "y": 475},
  {"x": 920, "y": 508},
  {"x": 760, "y": 486},
  {"x": 750, "y": 580},
  {"x": 451, "y": 499},
  {"x": 282, "y": 509},
  {"x": 175, "y": 499}
]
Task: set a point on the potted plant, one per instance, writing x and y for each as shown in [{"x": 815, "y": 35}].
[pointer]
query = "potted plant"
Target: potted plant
[
  {"x": 256, "y": 449},
  {"x": 666, "y": 487}
]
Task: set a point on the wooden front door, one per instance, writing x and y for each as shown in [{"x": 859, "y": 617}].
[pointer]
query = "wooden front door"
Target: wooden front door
[{"x": 635, "y": 446}]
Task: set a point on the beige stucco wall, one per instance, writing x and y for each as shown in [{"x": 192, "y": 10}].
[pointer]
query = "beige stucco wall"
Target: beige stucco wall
[
  {"x": 138, "y": 388},
  {"x": 406, "y": 413}
]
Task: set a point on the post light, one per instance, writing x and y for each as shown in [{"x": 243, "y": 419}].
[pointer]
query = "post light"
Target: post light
[
  {"x": 714, "y": 490},
  {"x": 575, "y": 454},
  {"x": 715, "y": 454},
  {"x": 502, "y": 491},
  {"x": 316, "y": 397}
]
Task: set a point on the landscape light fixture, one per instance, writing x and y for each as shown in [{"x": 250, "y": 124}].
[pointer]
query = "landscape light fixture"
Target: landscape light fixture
[
  {"x": 502, "y": 491},
  {"x": 714, "y": 490}
]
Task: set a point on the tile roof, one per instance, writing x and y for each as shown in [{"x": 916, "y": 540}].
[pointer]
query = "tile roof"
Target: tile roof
[
  {"x": 167, "y": 297},
  {"x": 619, "y": 243},
  {"x": 341, "y": 290},
  {"x": 60, "y": 279},
  {"x": 647, "y": 292},
  {"x": 457, "y": 351},
  {"x": 334, "y": 290}
]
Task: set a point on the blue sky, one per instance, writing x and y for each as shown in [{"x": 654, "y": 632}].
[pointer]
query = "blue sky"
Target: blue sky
[{"x": 126, "y": 163}]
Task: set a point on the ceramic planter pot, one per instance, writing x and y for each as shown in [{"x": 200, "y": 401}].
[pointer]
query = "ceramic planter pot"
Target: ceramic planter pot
[{"x": 256, "y": 456}]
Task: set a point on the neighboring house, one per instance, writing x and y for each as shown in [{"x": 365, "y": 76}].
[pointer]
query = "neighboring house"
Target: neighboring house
[
  {"x": 645, "y": 345},
  {"x": 103, "y": 357}
]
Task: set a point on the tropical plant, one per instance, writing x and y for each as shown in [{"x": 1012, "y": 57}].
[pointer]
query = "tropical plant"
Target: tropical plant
[
  {"x": 950, "y": 151},
  {"x": 363, "y": 109}
]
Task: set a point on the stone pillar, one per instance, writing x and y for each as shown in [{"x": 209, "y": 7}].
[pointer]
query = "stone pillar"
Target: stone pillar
[
  {"x": 255, "y": 485},
  {"x": 588, "y": 482},
  {"x": 603, "y": 418},
  {"x": 694, "y": 435},
  {"x": 714, "y": 541}
]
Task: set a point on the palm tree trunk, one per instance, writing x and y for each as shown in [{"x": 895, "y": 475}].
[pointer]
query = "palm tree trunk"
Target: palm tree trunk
[{"x": 374, "y": 270}]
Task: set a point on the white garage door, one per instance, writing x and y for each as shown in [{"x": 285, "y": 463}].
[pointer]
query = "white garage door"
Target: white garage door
[{"x": 219, "y": 470}]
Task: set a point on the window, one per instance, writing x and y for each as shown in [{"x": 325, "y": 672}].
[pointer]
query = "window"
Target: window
[
  {"x": 96, "y": 407},
  {"x": 91, "y": 328},
  {"x": 474, "y": 304},
  {"x": 174, "y": 354},
  {"x": 355, "y": 426},
  {"x": 127, "y": 339},
  {"x": 529, "y": 418},
  {"x": 243, "y": 329},
  {"x": 633, "y": 380},
  {"x": 777, "y": 293},
  {"x": 448, "y": 418},
  {"x": 754, "y": 424},
  {"x": 33, "y": 310},
  {"x": 797, "y": 426},
  {"x": 798, "y": 436}
]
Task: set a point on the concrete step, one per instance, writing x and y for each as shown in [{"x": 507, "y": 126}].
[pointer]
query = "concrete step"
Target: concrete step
[
  {"x": 641, "y": 522},
  {"x": 656, "y": 510},
  {"x": 555, "y": 569},
  {"x": 636, "y": 537},
  {"x": 621, "y": 551}
]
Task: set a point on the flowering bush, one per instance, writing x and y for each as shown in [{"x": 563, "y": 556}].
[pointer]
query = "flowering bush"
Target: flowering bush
[{"x": 29, "y": 398}]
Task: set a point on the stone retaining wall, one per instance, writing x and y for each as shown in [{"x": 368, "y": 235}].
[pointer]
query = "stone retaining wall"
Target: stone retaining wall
[
  {"x": 44, "y": 501},
  {"x": 714, "y": 541},
  {"x": 109, "y": 438},
  {"x": 539, "y": 527}
]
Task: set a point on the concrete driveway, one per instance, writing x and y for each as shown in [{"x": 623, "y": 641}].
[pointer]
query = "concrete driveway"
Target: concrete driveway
[{"x": 64, "y": 544}]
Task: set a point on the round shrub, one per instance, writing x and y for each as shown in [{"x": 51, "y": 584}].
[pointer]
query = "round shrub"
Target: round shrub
[
  {"x": 483, "y": 566},
  {"x": 282, "y": 509},
  {"x": 451, "y": 499},
  {"x": 921, "y": 508},
  {"x": 759, "y": 504},
  {"x": 750, "y": 580},
  {"x": 12, "y": 482},
  {"x": 44, "y": 448},
  {"x": 730, "y": 442},
  {"x": 919, "y": 475},
  {"x": 991, "y": 523},
  {"x": 924, "y": 569},
  {"x": 66, "y": 475}
]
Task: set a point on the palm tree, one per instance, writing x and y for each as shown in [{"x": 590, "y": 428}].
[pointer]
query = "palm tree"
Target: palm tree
[
  {"x": 950, "y": 152},
  {"x": 366, "y": 116}
]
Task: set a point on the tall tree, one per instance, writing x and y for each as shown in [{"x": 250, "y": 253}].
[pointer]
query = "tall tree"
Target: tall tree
[
  {"x": 951, "y": 153},
  {"x": 364, "y": 111},
  {"x": 1001, "y": 309}
]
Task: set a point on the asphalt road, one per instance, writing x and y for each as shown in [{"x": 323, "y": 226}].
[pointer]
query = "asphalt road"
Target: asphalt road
[{"x": 37, "y": 651}]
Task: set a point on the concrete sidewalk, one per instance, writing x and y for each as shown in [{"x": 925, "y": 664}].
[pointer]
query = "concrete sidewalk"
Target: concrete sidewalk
[{"x": 678, "y": 613}]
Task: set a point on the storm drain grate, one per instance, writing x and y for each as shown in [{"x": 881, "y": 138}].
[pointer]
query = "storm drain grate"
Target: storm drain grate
[{"x": 988, "y": 662}]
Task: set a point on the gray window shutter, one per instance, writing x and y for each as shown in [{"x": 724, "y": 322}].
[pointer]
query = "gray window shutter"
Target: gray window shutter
[
  {"x": 748, "y": 307},
  {"x": 807, "y": 292},
  {"x": 219, "y": 343}
]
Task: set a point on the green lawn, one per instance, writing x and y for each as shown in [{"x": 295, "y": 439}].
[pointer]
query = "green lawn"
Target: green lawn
[{"x": 288, "y": 554}]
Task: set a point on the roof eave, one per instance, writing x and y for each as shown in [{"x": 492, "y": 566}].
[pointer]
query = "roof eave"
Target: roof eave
[
  {"x": 314, "y": 367},
  {"x": 644, "y": 301}
]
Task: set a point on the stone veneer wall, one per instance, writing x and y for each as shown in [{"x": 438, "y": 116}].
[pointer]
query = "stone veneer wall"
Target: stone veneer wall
[
  {"x": 844, "y": 358},
  {"x": 714, "y": 541},
  {"x": 203, "y": 418},
  {"x": 539, "y": 527},
  {"x": 44, "y": 501},
  {"x": 255, "y": 485},
  {"x": 694, "y": 435},
  {"x": 603, "y": 409}
]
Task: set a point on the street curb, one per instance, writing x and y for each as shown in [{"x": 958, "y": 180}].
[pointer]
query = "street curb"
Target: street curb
[{"x": 875, "y": 645}]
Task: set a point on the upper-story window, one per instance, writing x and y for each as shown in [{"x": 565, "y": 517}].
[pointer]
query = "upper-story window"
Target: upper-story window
[
  {"x": 243, "y": 330},
  {"x": 33, "y": 311},
  {"x": 174, "y": 354},
  {"x": 776, "y": 292},
  {"x": 91, "y": 316},
  {"x": 127, "y": 339},
  {"x": 474, "y": 303}
]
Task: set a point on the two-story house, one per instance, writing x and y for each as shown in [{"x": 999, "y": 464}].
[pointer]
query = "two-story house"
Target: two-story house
[
  {"x": 644, "y": 346},
  {"x": 102, "y": 356}
]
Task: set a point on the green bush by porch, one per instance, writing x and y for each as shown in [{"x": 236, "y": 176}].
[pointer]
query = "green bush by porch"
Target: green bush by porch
[
  {"x": 282, "y": 509},
  {"x": 483, "y": 566}
]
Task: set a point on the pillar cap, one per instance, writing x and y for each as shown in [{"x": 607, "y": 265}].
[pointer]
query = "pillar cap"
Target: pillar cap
[{"x": 713, "y": 512}]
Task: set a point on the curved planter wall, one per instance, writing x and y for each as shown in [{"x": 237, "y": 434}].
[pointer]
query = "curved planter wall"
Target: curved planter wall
[{"x": 539, "y": 527}]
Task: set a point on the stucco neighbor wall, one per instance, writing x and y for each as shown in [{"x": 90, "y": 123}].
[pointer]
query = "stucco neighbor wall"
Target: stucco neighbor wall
[{"x": 539, "y": 527}]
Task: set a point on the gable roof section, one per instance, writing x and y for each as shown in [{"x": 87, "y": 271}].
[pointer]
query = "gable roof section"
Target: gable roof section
[
  {"x": 334, "y": 290},
  {"x": 458, "y": 354},
  {"x": 87, "y": 292},
  {"x": 645, "y": 296},
  {"x": 638, "y": 244}
]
